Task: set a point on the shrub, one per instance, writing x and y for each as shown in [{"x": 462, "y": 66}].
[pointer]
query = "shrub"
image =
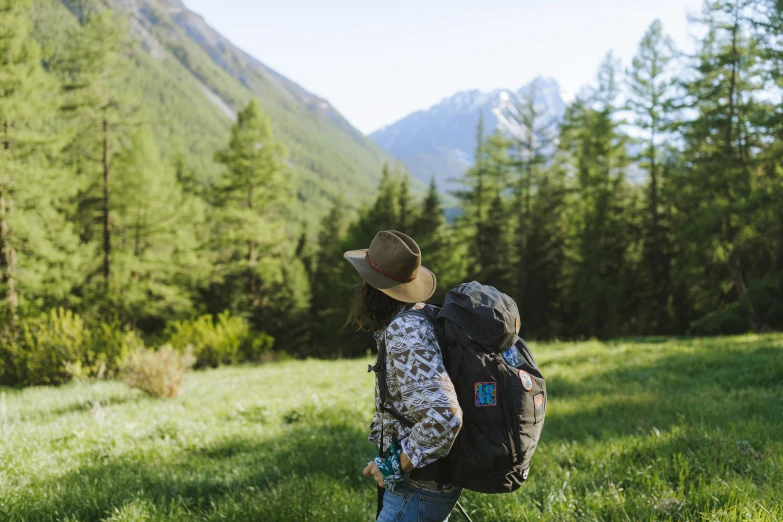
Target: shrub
[
  {"x": 256, "y": 346},
  {"x": 225, "y": 341},
  {"x": 57, "y": 346},
  {"x": 158, "y": 373},
  {"x": 109, "y": 348},
  {"x": 44, "y": 350}
]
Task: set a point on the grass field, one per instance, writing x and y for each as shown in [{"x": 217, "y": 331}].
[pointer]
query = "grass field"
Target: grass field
[{"x": 653, "y": 429}]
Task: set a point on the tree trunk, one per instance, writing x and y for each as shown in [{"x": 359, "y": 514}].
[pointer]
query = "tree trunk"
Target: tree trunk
[
  {"x": 137, "y": 235},
  {"x": 735, "y": 264},
  {"x": 479, "y": 195},
  {"x": 251, "y": 251},
  {"x": 657, "y": 270},
  {"x": 727, "y": 139},
  {"x": 7, "y": 257},
  {"x": 137, "y": 240},
  {"x": 106, "y": 202},
  {"x": 480, "y": 225},
  {"x": 654, "y": 194},
  {"x": 7, "y": 252}
]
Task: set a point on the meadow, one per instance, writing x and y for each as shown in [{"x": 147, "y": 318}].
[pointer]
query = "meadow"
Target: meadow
[{"x": 642, "y": 429}]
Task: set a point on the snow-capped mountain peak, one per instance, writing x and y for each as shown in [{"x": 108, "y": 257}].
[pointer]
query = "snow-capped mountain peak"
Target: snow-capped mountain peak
[{"x": 440, "y": 141}]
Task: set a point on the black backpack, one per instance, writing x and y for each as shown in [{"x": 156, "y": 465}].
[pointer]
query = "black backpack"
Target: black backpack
[{"x": 503, "y": 407}]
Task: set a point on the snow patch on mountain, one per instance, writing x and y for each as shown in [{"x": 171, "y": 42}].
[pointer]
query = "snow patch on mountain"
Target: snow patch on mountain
[{"x": 439, "y": 142}]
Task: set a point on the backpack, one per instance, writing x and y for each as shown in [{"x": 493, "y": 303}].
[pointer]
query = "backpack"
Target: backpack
[{"x": 503, "y": 407}]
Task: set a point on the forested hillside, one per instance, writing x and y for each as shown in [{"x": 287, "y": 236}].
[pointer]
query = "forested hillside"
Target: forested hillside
[
  {"x": 190, "y": 81},
  {"x": 134, "y": 212},
  {"x": 124, "y": 192}
]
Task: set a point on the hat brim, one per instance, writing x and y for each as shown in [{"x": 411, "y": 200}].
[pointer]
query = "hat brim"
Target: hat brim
[{"x": 418, "y": 290}]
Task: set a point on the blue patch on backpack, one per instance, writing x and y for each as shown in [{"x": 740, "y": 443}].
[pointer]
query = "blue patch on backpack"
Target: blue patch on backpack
[{"x": 486, "y": 394}]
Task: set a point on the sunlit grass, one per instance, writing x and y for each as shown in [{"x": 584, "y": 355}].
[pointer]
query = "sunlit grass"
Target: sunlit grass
[{"x": 635, "y": 430}]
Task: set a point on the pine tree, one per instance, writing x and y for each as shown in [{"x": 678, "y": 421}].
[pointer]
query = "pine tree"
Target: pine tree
[
  {"x": 650, "y": 99},
  {"x": 330, "y": 281},
  {"x": 437, "y": 244},
  {"x": 16, "y": 69},
  {"x": 252, "y": 198},
  {"x": 156, "y": 232},
  {"x": 533, "y": 142},
  {"x": 481, "y": 138},
  {"x": 767, "y": 198},
  {"x": 473, "y": 202},
  {"x": 430, "y": 220},
  {"x": 36, "y": 245},
  {"x": 92, "y": 68},
  {"x": 719, "y": 155},
  {"x": 598, "y": 146},
  {"x": 186, "y": 177},
  {"x": 543, "y": 304},
  {"x": 405, "y": 206},
  {"x": 487, "y": 213},
  {"x": 496, "y": 267},
  {"x": 386, "y": 211},
  {"x": 383, "y": 214}
]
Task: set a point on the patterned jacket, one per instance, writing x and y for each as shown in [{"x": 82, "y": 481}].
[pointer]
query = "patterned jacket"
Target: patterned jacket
[{"x": 419, "y": 389}]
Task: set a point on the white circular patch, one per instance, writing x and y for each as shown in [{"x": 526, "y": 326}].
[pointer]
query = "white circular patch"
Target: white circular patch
[{"x": 527, "y": 380}]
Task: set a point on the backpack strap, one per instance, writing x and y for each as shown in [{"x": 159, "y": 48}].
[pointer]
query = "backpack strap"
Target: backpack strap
[
  {"x": 510, "y": 413},
  {"x": 413, "y": 312},
  {"x": 380, "y": 375},
  {"x": 439, "y": 333}
]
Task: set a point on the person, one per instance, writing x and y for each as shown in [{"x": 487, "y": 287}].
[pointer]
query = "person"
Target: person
[{"x": 418, "y": 389}]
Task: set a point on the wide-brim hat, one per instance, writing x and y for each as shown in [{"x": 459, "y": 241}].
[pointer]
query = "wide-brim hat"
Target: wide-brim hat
[{"x": 392, "y": 265}]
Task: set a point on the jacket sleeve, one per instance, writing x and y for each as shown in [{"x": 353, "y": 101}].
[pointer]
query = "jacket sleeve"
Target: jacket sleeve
[{"x": 428, "y": 395}]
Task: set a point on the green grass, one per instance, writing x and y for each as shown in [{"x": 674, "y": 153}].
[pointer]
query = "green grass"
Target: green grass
[{"x": 650, "y": 429}]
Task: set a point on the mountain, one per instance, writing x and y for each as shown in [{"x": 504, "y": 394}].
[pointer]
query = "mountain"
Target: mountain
[
  {"x": 191, "y": 81},
  {"x": 440, "y": 142}
]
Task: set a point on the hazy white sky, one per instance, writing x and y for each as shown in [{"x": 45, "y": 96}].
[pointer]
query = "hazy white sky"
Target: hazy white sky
[{"x": 377, "y": 61}]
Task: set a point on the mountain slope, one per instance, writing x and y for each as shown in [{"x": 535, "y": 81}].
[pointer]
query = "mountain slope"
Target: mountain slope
[
  {"x": 191, "y": 81},
  {"x": 440, "y": 142}
]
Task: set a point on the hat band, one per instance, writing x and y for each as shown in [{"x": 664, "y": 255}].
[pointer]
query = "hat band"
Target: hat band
[{"x": 384, "y": 273}]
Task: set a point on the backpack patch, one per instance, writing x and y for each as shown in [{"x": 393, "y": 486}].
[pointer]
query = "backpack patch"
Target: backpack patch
[
  {"x": 539, "y": 402},
  {"x": 527, "y": 380},
  {"x": 485, "y": 394}
]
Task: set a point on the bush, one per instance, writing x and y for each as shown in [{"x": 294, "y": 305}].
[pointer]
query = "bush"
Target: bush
[
  {"x": 44, "y": 350},
  {"x": 57, "y": 346},
  {"x": 226, "y": 341},
  {"x": 158, "y": 373},
  {"x": 109, "y": 348},
  {"x": 257, "y": 346}
]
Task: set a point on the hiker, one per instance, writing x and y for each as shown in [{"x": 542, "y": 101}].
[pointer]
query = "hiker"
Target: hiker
[{"x": 420, "y": 418}]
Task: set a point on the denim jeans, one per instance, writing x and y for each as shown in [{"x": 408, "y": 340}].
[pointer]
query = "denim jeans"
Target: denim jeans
[{"x": 410, "y": 504}]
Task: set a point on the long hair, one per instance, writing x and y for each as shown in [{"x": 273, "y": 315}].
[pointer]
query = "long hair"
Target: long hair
[{"x": 372, "y": 309}]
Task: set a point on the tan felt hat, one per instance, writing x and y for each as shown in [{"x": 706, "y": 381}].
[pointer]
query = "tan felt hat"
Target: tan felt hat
[{"x": 392, "y": 265}]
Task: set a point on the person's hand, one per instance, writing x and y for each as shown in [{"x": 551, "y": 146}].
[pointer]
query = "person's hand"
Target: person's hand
[
  {"x": 371, "y": 470},
  {"x": 390, "y": 471}
]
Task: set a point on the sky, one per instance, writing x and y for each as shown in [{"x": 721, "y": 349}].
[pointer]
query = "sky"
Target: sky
[{"x": 378, "y": 61}]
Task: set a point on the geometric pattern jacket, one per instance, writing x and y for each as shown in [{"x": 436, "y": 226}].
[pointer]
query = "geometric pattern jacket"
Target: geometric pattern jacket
[{"x": 419, "y": 389}]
